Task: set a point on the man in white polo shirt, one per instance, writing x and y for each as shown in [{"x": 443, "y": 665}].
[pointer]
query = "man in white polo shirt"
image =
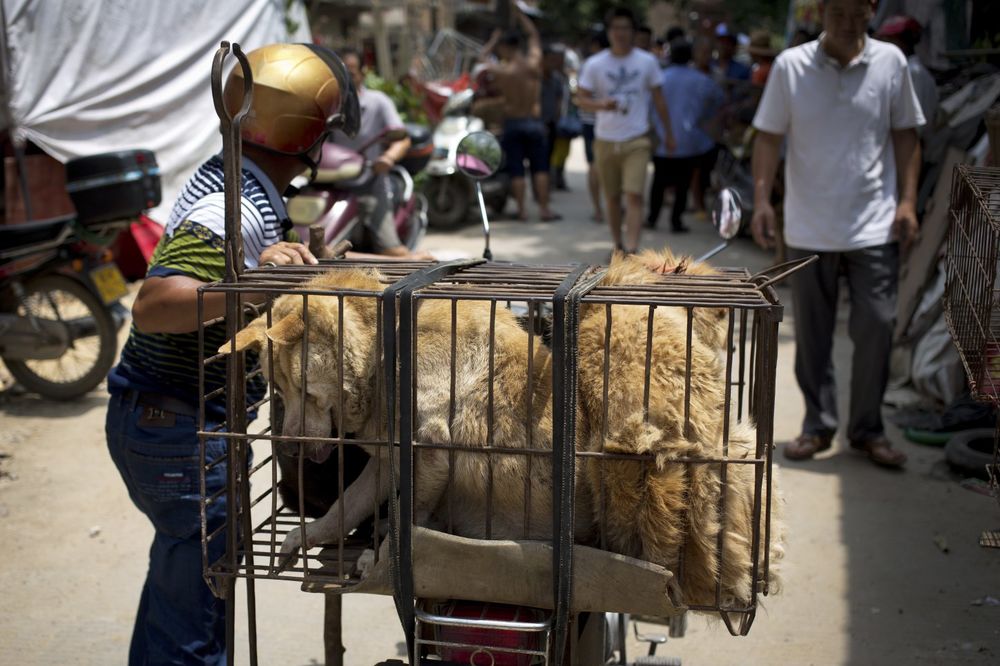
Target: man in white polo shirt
[
  {"x": 620, "y": 85},
  {"x": 848, "y": 110}
]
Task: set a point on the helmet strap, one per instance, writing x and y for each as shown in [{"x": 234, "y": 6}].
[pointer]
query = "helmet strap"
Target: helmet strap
[{"x": 311, "y": 163}]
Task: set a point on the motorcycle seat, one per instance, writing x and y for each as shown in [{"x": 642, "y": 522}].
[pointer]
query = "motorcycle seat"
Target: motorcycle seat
[
  {"x": 339, "y": 164},
  {"x": 25, "y": 234}
]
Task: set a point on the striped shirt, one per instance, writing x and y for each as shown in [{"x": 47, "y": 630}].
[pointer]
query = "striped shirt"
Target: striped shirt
[{"x": 192, "y": 245}]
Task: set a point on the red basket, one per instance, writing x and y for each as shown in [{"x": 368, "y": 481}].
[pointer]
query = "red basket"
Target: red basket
[{"x": 490, "y": 643}]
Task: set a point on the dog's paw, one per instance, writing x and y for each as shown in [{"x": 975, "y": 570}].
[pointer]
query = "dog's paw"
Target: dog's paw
[{"x": 290, "y": 550}]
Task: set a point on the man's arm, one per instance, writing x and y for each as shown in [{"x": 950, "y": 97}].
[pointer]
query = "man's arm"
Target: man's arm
[
  {"x": 661, "y": 110},
  {"x": 392, "y": 155},
  {"x": 169, "y": 304},
  {"x": 487, "y": 50},
  {"x": 534, "y": 41},
  {"x": 766, "y": 153},
  {"x": 906, "y": 147},
  {"x": 586, "y": 101},
  {"x": 396, "y": 151}
]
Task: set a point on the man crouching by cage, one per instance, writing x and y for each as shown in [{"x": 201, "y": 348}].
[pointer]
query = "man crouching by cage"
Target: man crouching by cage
[{"x": 300, "y": 94}]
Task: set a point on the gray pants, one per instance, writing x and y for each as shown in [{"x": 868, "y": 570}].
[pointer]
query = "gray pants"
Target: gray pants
[{"x": 871, "y": 278}]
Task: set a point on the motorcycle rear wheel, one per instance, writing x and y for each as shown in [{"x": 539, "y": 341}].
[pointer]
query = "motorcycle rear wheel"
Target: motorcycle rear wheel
[
  {"x": 448, "y": 201},
  {"x": 87, "y": 360}
]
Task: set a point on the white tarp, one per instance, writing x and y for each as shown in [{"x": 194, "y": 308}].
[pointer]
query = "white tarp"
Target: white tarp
[{"x": 92, "y": 76}]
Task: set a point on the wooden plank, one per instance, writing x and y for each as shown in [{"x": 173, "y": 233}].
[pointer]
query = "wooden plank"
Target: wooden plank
[
  {"x": 917, "y": 268},
  {"x": 520, "y": 573}
]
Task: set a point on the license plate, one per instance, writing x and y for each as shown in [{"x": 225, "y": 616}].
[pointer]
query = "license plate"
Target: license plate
[{"x": 109, "y": 282}]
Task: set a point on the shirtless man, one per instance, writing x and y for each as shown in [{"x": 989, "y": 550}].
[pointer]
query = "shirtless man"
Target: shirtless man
[{"x": 518, "y": 79}]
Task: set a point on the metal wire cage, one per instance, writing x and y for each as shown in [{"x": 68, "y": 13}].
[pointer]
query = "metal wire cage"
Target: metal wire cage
[
  {"x": 972, "y": 293},
  {"x": 504, "y": 459},
  {"x": 564, "y": 374}
]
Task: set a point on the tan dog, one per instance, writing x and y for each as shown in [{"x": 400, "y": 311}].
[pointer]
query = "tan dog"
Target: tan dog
[
  {"x": 364, "y": 414},
  {"x": 669, "y": 514}
]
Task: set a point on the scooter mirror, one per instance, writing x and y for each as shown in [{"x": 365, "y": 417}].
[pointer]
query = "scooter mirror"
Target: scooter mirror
[
  {"x": 479, "y": 155},
  {"x": 727, "y": 213}
]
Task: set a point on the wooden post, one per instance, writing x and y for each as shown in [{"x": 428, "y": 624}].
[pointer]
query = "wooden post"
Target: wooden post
[
  {"x": 333, "y": 638},
  {"x": 383, "y": 56}
]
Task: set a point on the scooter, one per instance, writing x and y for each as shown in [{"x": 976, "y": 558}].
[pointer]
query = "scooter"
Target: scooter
[
  {"x": 337, "y": 200},
  {"x": 449, "y": 195},
  {"x": 59, "y": 284},
  {"x": 59, "y": 310}
]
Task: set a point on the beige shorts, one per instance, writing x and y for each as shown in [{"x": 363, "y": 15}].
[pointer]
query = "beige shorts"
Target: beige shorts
[{"x": 622, "y": 165}]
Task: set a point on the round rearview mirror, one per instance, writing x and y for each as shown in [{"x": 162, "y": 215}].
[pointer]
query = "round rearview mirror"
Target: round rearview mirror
[
  {"x": 727, "y": 214},
  {"x": 479, "y": 155}
]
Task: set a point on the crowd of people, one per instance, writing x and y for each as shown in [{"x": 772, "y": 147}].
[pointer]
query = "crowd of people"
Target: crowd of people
[
  {"x": 843, "y": 110},
  {"x": 633, "y": 99}
]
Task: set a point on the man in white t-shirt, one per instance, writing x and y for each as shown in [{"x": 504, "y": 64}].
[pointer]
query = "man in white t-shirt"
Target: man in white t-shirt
[
  {"x": 847, "y": 108},
  {"x": 619, "y": 84}
]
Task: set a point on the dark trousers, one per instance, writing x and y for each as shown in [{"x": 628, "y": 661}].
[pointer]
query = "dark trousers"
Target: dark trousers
[
  {"x": 871, "y": 279},
  {"x": 179, "y": 620},
  {"x": 667, "y": 171}
]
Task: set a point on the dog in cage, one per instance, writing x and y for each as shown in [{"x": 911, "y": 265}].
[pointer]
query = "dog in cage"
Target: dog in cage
[
  {"x": 459, "y": 490},
  {"x": 668, "y": 512}
]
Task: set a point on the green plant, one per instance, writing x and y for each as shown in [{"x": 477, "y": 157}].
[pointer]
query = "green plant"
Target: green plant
[
  {"x": 291, "y": 25},
  {"x": 408, "y": 103}
]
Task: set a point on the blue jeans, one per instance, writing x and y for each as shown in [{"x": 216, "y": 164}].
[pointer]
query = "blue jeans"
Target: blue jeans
[{"x": 179, "y": 620}]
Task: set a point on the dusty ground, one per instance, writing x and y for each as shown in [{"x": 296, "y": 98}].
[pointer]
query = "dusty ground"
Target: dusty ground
[{"x": 866, "y": 580}]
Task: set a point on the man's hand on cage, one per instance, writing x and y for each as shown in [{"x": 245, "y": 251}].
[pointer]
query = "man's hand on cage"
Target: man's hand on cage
[{"x": 284, "y": 253}]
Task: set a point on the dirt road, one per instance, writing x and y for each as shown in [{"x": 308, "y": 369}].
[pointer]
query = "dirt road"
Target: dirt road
[{"x": 881, "y": 568}]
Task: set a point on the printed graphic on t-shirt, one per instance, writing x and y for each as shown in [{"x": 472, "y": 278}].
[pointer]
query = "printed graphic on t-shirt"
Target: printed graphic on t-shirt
[{"x": 626, "y": 86}]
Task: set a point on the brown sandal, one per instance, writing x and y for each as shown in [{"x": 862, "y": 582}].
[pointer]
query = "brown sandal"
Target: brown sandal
[
  {"x": 880, "y": 451},
  {"x": 805, "y": 446}
]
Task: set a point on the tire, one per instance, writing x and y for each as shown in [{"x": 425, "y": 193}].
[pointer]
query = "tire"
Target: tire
[
  {"x": 417, "y": 223},
  {"x": 497, "y": 206},
  {"x": 448, "y": 201},
  {"x": 95, "y": 370},
  {"x": 970, "y": 451}
]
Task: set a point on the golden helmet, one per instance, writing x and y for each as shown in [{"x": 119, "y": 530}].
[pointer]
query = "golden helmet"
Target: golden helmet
[{"x": 301, "y": 92}]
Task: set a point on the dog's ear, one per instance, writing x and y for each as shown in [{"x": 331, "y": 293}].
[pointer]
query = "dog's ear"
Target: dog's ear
[
  {"x": 252, "y": 337},
  {"x": 287, "y": 330}
]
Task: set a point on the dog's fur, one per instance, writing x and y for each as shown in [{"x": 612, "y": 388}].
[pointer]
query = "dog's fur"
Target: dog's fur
[
  {"x": 668, "y": 513},
  {"x": 663, "y": 512},
  {"x": 462, "y": 503}
]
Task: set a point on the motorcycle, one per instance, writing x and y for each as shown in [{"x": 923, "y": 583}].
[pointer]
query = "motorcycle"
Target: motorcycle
[
  {"x": 58, "y": 295},
  {"x": 59, "y": 284},
  {"x": 339, "y": 198},
  {"x": 449, "y": 194}
]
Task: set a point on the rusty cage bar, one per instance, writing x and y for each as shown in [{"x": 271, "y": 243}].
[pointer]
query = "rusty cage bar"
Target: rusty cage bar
[
  {"x": 972, "y": 293},
  {"x": 260, "y": 521}
]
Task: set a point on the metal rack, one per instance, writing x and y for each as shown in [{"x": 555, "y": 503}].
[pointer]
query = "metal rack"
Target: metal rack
[{"x": 972, "y": 292}]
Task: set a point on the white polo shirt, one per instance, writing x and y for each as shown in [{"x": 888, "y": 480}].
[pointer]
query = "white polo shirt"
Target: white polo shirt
[{"x": 840, "y": 169}]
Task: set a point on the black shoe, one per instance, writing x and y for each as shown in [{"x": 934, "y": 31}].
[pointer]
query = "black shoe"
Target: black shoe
[
  {"x": 680, "y": 228},
  {"x": 651, "y": 224}
]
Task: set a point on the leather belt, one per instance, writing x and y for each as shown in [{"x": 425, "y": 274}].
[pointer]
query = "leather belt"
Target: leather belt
[{"x": 162, "y": 402}]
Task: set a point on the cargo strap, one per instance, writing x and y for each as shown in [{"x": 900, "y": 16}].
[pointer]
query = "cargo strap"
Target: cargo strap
[
  {"x": 565, "y": 328},
  {"x": 401, "y": 508}
]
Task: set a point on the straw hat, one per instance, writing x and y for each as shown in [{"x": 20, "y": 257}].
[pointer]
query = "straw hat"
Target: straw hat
[{"x": 760, "y": 44}]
